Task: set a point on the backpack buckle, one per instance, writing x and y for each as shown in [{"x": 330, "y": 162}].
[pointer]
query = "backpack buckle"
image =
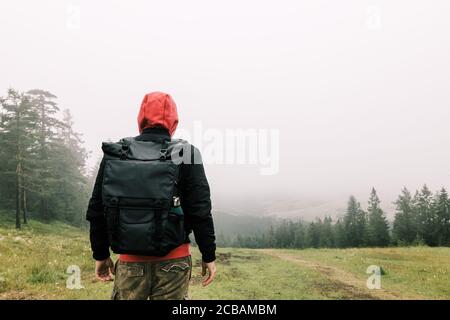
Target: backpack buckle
[
  {"x": 125, "y": 149},
  {"x": 163, "y": 154},
  {"x": 163, "y": 150},
  {"x": 176, "y": 202}
]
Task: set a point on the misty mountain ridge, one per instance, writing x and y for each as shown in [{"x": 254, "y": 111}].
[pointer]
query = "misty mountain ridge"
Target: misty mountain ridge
[{"x": 304, "y": 208}]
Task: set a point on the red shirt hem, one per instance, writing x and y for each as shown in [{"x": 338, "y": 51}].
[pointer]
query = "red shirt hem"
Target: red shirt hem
[{"x": 179, "y": 252}]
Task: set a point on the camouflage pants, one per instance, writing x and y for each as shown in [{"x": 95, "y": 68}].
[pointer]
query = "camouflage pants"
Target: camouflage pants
[{"x": 163, "y": 280}]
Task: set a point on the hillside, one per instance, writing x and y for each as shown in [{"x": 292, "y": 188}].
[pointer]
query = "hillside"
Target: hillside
[{"x": 35, "y": 260}]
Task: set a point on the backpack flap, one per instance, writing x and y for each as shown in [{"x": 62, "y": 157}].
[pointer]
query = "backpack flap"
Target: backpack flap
[{"x": 138, "y": 188}]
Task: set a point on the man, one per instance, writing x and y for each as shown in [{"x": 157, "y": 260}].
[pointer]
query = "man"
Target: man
[{"x": 127, "y": 210}]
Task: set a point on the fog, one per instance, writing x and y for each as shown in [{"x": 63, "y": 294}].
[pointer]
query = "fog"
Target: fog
[{"x": 358, "y": 91}]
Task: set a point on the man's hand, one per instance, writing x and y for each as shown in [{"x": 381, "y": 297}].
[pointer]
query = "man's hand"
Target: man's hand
[
  {"x": 211, "y": 266},
  {"x": 104, "y": 270}
]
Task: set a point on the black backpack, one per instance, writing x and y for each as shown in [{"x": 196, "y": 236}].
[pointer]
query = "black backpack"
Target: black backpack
[{"x": 139, "y": 192}]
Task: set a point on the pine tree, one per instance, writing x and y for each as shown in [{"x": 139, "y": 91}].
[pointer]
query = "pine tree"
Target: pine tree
[
  {"x": 404, "y": 229},
  {"x": 68, "y": 163},
  {"x": 355, "y": 224},
  {"x": 441, "y": 210},
  {"x": 18, "y": 125},
  {"x": 271, "y": 241},
  {"x": 340, "y": 238},
  {"x": 377, "y": 227},
  {"x": 326, "y": 233},
  {"x": 300, "y": 235},
  {"x": 313, "y": 234},
  {"x": 423, "y": 208},
  {"x": 48, "y": 148}
]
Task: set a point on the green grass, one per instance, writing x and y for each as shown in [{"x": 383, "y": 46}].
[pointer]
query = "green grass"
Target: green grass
[
  {"x": 247, "y": 274},
  {"x": 35, "y": 260},
  {"x": 421, "y": 272}
]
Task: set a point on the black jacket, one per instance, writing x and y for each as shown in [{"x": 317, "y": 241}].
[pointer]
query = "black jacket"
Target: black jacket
[{"x": 195, "y": 202}]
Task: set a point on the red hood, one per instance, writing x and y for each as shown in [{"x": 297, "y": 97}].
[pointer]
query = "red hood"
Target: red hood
[{"x": 158, "y": 109}]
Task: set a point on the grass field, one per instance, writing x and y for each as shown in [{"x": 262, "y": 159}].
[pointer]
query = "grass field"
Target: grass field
[{"x": 34, "y": 263}]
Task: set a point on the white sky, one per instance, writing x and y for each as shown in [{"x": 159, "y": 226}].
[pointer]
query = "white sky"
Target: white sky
[{"x": 358, "y": 89}]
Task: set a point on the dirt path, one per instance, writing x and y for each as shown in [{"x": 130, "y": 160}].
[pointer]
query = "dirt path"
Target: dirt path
[{"x": 340, "y": 280}]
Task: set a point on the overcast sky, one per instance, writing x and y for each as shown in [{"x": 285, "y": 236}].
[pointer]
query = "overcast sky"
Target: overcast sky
[{"x": 359, "y": 90}]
